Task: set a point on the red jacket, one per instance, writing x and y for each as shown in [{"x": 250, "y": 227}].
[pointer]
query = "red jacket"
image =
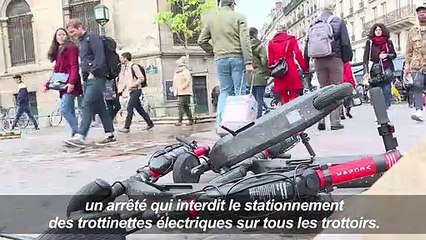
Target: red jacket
[
  {"x": 276, "y": 50},
  {"x": 67, "y": 62},
  {"x": 348, "y": 76}
]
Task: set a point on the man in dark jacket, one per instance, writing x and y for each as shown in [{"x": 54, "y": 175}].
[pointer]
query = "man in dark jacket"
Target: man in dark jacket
[
  {"x": 330, "y": 68},
  {"x": 94, "y": 74},
  {"x": 260, "y": 64},
  {"x": 23, "y": 103}
]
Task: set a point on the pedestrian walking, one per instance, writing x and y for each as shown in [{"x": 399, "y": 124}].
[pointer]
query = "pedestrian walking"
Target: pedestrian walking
[
  {"x": 112, "y": 99},
  {"x": 380, "y": 50},
  {"x": 348, "y": 77},
  {"x": 130, "y": 80},
  {"x": 95, "y": 71},
  {"x": 23, "y": 103},
  {"x": 182, "y": 84},
  {"x": 285, "y": 46},
  {"x": 230, "y": 44},
  {"x": 64, "y": 53},
  {"x": 416, "y": 61},
  {"x": 329, "y": 54},
  {"x": 261, "y": 75}
]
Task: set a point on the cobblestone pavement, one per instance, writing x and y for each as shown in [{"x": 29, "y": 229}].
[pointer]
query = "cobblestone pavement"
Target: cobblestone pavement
[{"x": 38, "y": 163}]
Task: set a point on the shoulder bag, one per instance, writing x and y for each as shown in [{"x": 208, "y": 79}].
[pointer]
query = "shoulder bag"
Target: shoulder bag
[{"x": 280, "y": 68}]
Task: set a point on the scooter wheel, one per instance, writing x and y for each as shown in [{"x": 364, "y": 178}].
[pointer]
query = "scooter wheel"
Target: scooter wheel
[{"x": 182, "y": 169}]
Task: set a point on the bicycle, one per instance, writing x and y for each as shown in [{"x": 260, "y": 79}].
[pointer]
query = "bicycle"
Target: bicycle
[
  {"x": 55, "y": 118},
  {"x": 23, "y": 121}
]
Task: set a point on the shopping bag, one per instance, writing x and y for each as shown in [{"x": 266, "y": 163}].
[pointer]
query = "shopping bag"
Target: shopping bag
[{"x": 240, "y": 110}]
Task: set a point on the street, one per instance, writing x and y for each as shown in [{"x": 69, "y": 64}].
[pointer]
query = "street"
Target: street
[{"x": 38, "y": 163}]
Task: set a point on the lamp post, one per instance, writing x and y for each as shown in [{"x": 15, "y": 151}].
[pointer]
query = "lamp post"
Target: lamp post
[{"x": 102, "y": 17}]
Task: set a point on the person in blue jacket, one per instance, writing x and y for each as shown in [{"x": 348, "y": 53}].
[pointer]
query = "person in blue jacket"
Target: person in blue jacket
[{"x": 23, "y": 103}]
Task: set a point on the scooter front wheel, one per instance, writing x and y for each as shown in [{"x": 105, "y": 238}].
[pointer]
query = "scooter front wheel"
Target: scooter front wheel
[{"x": 183, "y": 166}]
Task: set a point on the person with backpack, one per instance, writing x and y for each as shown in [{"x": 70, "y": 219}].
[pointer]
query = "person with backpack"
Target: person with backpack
[
  {"x": 329, "y": 45},
  {"x": 132, "y": 78},
  {"x": 284, "y": 46},
  {"x": 96, "y": 70}
]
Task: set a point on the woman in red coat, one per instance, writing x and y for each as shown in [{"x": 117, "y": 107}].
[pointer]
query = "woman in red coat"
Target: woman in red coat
[
  {"x": 285, "y": 46},
  {"x": 348, "y": 77},
  {"x": 65, "y": 55}
]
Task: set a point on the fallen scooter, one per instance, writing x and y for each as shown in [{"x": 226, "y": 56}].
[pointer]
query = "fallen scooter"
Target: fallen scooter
[
  {"x": 298, "y": 181},
  {"x": 189, "y": 161}
]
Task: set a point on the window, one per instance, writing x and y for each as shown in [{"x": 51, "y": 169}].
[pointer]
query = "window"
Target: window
[
  {"x": 398, "y": 4},
  {"x": 374, "y": 12},
  {"x": 362, "y": 21},
  {"x": 354, "y": 55},
  {"x": 384, "y": 8},
  {"x": 20, "y": 30},
  {"x": 85, "y": 11},
  {"x": 410, "y": 2},
  {"x": 398, "y": 41}
]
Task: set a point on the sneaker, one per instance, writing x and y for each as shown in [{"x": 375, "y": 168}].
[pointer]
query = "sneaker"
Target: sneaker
[
  {"x": 417, "y": 116},
  {"x": 342, "y": 117},
  {"x": 321, "y": 126},
  {"x": 150, "y": 127},
  {"x": 190, "y": 123},
  {"x": 107, "y": 139},
  {"x": 124, "y": 130},
  {"x": 337, "y": 127},
  {"x": 178, "y": 124},
  {"x": 75, "y": 142}
]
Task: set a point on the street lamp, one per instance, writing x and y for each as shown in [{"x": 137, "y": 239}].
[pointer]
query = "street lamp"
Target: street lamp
[{"x": 101, "y": 16}]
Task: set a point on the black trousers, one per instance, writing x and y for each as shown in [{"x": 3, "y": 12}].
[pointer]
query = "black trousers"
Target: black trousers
[
  {"x": 135, "y": 103},
  {"x": 21, "y": 110},
  {"x": 113, "y": 106},
  {"x": 184, "y": 102}
]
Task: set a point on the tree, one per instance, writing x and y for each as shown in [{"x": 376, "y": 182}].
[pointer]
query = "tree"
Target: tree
[{"x": 185, "y": 18}]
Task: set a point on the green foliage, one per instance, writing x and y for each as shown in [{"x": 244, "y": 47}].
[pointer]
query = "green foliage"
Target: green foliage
[{"x": 184, "y": 17}]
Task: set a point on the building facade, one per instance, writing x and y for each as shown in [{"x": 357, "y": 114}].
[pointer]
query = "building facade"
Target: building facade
[
  {"x": 360, "y": 15},
  {"x": 27, "y": 28}
]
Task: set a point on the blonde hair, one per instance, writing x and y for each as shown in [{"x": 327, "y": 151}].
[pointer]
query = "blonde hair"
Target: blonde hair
[{"x": 182, "y": 61}]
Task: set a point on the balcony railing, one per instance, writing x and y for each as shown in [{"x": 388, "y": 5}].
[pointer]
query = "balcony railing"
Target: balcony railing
[{"x": 392, "y": 18}]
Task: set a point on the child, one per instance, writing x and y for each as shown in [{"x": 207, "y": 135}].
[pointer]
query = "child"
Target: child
[{"x": 23, "y": 103}]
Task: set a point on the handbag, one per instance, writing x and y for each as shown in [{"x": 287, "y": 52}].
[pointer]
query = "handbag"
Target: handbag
[
  {"x": 240, "y": 110},
  {"x": 379, "y": 75},
  {"x": 58, "y": 81},
  {"x": 280, "y": 68}
]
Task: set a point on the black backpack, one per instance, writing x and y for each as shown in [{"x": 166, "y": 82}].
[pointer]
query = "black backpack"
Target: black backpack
[
  {"x": 111, "y": 56},
  {"x": 142, "y": 69}
]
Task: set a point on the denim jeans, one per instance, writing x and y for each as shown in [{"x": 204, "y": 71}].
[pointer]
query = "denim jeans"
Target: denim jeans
[
  {"x": 68, "y": 111},
  {"x": 94, "y": 103},
  {"x": 230, "y": 72},
  {"x": 417, "y": 89},
  {"x": 387, "y": 92},
  {"x": 259, "y": 94}
]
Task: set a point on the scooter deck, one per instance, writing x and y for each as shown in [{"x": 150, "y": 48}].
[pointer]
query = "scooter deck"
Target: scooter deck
[{"x": 284, "y": 122}]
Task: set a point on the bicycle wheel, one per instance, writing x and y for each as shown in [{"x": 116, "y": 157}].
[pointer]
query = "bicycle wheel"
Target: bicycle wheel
[{"x": 55, "y": 118}]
